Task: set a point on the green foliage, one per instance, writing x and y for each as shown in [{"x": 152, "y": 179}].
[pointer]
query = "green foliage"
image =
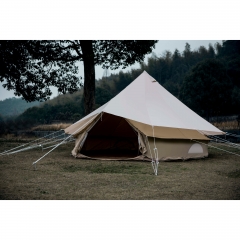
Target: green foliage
[
  {"x": 172, "y": 88},
  {"x": 113, "y": 54},
  {"x": 233, "y": 69},
  {"x": 103, "y": 95},
  {"x": 206, "y": 88},
  {"x": 236, "y": 99},
  {"x": 14, "y": 106},
  {"x": 230, "y": 48},
  {"x": 124, "y": 80},
  {"x": 28, "y": 68},
  {"x": 66, "y": 112},
  {"x": 2, "y": 125}
]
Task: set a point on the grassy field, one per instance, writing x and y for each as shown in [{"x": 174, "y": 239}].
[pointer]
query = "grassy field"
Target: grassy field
[{"x": 60, "y": 176}]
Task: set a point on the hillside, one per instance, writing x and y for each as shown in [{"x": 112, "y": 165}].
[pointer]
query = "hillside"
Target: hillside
[{"x": 14, "y": 106}]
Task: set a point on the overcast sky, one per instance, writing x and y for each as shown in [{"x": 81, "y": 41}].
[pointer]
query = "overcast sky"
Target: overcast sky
[{"x": 160, "y": 47}]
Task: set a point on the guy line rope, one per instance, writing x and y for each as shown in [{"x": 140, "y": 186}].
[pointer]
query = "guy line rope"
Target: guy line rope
[
  {"x": 155, "y": 150},
  {"x": 34, "y": 163},
  {"x": 35, "y": 145},
  {"x": 225, "y": 144},
  {"x": 233, "y": 135},
  {"x": 216, "y": 147},
  {"x": 221, "y": 140}
]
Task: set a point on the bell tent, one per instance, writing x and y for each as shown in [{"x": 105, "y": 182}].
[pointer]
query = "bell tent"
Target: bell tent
[{"x": 143, "y": 122}]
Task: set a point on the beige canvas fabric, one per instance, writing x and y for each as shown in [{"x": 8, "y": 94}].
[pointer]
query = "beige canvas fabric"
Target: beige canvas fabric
[
  {"x": 82, "y": 132},
  {"x": 81, "y": 126},
  {"x": 109, "y": 129},
  {"x": 147, "y": 102},
  {"x": 166, "y": 132},
  {"x": 141, "y": 141},
  {"x": 138, "y": 158},
  {"x": 79, "y": 142},
  {"x": 127, "y": 125},
  {"x": 167, "y": 150},
  {"x": 98, "y": 139},
  {"x": 178, "y": 149}
]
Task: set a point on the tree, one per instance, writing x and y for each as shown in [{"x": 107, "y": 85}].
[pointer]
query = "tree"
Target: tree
[
  {"x": 187, "y": 51},
  {"x": 176, "y": 55},
  {"x": 188, "y": 56},
  {"x": 236, "y": 100},
  {"x": 103, "y": 96},
  {"x": 203, "y": 52},
  {"x": 2, "y": 125},
  {"x": 124, "y": 80},
  {"x": 31, "y": 67},
  {"x": 230, "y": 48},
  {"x": 176, "y": 64},
  {"x": 26, "y": 69},
  {"x": 211, "y": 52},
  {"x": 218, "y": 48},
  {"x": 206, "y": 89}
]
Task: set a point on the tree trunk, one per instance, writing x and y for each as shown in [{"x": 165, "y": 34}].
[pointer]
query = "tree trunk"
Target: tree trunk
[{"x": 89, "y": 75}]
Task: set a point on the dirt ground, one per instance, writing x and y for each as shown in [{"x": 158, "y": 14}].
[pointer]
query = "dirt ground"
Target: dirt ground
[{"x": 60, "y": 176}]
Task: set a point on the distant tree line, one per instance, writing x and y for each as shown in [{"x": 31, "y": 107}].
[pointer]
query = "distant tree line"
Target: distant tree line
[
  {"x": 14, "y": 106},
  {"x": 207, "y": 80}
]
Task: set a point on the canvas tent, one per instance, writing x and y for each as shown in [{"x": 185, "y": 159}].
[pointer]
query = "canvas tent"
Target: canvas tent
[{"x": 144, "y": 121}]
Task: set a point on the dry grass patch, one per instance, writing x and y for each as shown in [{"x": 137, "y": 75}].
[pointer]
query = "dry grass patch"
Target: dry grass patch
[
  {"x": 51, "y": 127},
  {"x": 227, "y": 125},
  {"x": 60, "y": 176}
]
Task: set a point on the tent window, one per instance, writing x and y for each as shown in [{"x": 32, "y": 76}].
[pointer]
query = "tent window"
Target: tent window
[{"x": 196, "y": 148}]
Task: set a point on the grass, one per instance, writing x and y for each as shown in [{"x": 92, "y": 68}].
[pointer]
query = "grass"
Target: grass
[
  {"x": 104, "y": 168},
  {"x": 51, "y": 127},
  {"x": 234, "y": 174},
  {"x": 60, "y": 176}
]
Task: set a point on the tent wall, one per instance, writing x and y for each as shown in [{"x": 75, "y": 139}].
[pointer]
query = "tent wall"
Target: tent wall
[
  {"x": 106, "y": 136},
  {"x": 175, "y": 149},
  {"x": 82, "y": 125},
  {"x": 81, "y": 138}
]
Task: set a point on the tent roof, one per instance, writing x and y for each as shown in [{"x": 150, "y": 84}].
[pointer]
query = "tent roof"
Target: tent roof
[{"x": 147, "y": 102}]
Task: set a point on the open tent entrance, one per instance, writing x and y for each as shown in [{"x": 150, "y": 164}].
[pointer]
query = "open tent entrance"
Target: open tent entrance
[{"x": 111, "y": 138}]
